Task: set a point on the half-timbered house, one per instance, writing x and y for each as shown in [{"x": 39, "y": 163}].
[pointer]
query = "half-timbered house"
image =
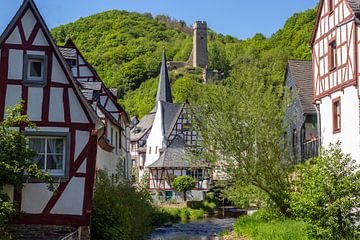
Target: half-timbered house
[
  {"x": 79, "y": 124},
  {"x": 301, "y": 134},
  {"x": 159, "y": 142},
  {"x": 335, "y": 46}
]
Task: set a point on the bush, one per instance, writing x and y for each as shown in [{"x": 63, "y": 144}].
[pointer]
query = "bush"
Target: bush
[
  {"x": 266, "y": 224},
  {"x": 328, "y": 194},
  {"x": 195, "y": 214},
  {"x": 119, "y": 211},
  {"x": 183, "y": 184}
]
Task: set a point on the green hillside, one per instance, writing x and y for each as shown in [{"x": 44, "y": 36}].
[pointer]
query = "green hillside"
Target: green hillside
[{"x": 125, "y": 49}]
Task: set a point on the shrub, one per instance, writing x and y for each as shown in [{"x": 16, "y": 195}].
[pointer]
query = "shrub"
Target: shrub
[
  {"x": 327, "y": 194},
  {"x": 119, "y": 211},
  {"x": 195, "y": 214},
  {"x": 183, "y": 184}
]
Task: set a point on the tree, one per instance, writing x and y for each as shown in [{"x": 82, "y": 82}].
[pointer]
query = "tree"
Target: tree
[
  {"x": 327, "y": 195},
  {"x": 241, "y": 123},
  {"x": 184, "y": 184},
  {"x": 14, "y": 159}
]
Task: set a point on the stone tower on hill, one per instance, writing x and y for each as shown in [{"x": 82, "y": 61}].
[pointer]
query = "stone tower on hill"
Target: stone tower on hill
[{"x": 200, "y": 50}]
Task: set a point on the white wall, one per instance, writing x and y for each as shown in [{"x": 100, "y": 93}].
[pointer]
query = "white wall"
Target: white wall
[{"x": 349, "y": 135}]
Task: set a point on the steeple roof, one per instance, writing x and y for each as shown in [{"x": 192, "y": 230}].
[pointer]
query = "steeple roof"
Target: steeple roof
[{"x": 164, "y": 89}]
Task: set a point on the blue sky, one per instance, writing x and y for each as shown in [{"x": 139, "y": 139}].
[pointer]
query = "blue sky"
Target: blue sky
[{"x": 239, "y": 18}]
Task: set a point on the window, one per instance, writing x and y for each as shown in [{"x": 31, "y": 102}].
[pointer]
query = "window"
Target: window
[
  {"x": 50, "y": 154},
  {"x": 336, "y": 115},
  {"x": 156, "y": 149},
  {"x": 332, "y": 55},
  {"x": 149, "y": 150},
  {"x": 35, "y": 70},
  {"x": 111, "y": 136}
]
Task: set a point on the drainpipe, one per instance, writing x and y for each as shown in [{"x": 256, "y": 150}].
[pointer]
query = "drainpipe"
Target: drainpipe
[{"x": 318, "y": 119}]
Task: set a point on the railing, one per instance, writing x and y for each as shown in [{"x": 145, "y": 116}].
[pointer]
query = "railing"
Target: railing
[
  {"x": 310, "y": 149},
  {"x": 72, "y": 236}
]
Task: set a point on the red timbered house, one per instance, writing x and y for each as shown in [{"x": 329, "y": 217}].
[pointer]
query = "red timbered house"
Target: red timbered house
[
  {"x": 80, "y": 126},
  {"x": 159, "y": 142},
  {"x": 335, "y": 46}
]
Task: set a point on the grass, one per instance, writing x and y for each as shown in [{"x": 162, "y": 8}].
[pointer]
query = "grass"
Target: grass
[{"x": 260, "y": 226}]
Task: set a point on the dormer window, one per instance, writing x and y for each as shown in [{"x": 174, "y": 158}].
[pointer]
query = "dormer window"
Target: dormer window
[{"x": 35, "y": 67}]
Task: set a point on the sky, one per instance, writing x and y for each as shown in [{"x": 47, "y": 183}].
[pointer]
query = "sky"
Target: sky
[{"x": 239, "y": 18}]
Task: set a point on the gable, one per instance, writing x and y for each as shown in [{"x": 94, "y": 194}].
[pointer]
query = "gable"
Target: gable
[{"x": 28, "y": 37}]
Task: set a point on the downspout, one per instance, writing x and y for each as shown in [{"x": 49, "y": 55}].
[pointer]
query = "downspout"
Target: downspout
[{"x": 318, "y": 119}]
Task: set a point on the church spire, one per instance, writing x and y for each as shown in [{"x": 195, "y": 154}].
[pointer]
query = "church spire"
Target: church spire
[{"x": 164, "y": 89}]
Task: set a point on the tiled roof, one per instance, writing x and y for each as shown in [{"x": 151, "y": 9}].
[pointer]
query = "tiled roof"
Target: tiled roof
[
  {"x": 301, "y": 72},
  {"x": 173, "y": 157}
]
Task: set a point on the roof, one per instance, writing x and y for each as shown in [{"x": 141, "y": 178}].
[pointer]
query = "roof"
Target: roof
[
  {"x": 355, "y": 5},
  {"x": 301, "y": 73},
  {"x": 171, "y": 113},
  {"x": 164, "y": 89},
  {"x": 173, "y": 157},
  {"x": 68, "y": 53}
]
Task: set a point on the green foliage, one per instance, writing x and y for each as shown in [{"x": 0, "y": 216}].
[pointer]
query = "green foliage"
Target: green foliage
[
  {"x": 119, "y": 211},
  {"x": 211, "y": 203},
  {"x": 245, "y": 196},
  {"x": 184, "y": 184},
  {"x": 267, "y": 225},
  {"x": 327, "y": 194},
  {"x": 166, "y": 215},
  {"x": 15, "y": 166},
  {"x": 125, "y": 48}
]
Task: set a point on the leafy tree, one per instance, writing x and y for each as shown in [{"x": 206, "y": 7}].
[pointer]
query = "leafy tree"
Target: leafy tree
[
  {"x": 327, "y": 195},
  {"x": 184, "y": 184},
  {"x": 241, "y": 124},
  {"x": 14, "y": 159}
]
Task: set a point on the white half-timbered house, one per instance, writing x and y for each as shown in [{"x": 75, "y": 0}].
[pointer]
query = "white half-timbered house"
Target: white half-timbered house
[
  {"x": 113, "y": 145},
  {"x": 335, "y": 46},
  {"x": 80, "y": 126},
  {"x": 159, "y": 142}
]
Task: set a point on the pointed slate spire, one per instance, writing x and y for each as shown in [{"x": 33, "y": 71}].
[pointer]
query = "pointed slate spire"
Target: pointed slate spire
[{"x": 164, "y": 89}]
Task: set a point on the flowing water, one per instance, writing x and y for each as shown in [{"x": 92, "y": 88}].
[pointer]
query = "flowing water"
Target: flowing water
[{"x": 206, "y": 229}]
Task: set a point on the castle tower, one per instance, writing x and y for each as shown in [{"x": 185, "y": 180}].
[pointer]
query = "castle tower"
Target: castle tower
[{"x": 200, "y": 50}]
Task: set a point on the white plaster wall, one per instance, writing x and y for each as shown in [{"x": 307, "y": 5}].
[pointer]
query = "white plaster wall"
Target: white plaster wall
[
  {"x": 349, "y": 135},
  {"x": 76, "y": 111},
  {"x": 13, "y": 95},
  {"x": 72, "y": 200},
  {"x": 14, "y": 37},
  {"x": 34, "y": 104},
  {"x": 35, "y": 196},
  {"x": 106, "y": 161},
  {"x": 40, "y": 39},
  {"x": 56, "y": 106},
  {"x": 58, "y": 74},
  {"x": 15, "y": 70},
  {"x": 156, "y": 137},
  {"x": 82, "y": 138},
  {"x": 28, "y": 22}
]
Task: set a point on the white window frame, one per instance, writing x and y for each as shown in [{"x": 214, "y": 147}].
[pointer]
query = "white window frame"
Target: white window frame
[{"x": 64, "y": 174}]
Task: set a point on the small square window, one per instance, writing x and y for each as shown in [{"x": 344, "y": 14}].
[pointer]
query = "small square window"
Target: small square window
[{"x": 35, "y": 70}]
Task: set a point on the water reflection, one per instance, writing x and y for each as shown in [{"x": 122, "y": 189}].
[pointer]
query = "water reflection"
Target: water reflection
[{"x": 206, "y": 229}]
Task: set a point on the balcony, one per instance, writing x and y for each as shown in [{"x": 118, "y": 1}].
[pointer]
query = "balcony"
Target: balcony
[{"x": 310, "y": 149}]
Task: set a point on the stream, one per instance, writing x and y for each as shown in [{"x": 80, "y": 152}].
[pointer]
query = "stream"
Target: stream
[{"x": 205, "y": 229}]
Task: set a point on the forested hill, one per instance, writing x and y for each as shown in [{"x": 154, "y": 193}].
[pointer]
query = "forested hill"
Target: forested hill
[{"x": 125, "y": 49}]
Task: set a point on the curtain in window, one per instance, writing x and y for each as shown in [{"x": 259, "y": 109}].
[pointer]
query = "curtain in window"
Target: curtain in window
[
  {"x": 55, "y": 154},
  {"x": 38, "y": 146}
]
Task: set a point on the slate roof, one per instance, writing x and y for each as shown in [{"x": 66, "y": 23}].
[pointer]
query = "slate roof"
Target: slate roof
[
  {"x": 355, "y": 5},
  {"x": 68, "y": 53},
  {"x": 301, "y": 73},
  {"x": 88, "y": 94},
  {"x": 142, "y": 127},
  {"x": 173, "y": 157},
  {"x": 164, "y": 89},
  {"x": 92, "y": 85}
]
